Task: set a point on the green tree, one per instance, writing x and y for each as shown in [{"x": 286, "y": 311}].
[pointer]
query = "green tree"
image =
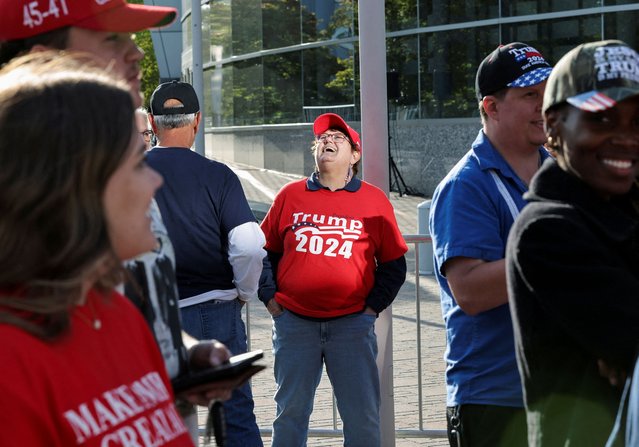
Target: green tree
[{"x": 149, "y": 65}]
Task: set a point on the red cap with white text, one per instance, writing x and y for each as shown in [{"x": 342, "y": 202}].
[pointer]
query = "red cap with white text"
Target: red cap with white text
[{"x": 21, "y": 19}]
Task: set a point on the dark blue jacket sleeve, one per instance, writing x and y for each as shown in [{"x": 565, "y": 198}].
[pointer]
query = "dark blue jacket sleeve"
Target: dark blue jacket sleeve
[
  {"x": 389, "y": 277},
  {"x": 268, "y": 286}
]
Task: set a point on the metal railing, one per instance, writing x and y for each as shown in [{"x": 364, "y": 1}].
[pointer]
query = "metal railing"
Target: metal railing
[{"x": 420, "y": 431}]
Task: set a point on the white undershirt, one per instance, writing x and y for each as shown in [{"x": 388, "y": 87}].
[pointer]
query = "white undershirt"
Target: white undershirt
[{"x": 245, "y": 255}]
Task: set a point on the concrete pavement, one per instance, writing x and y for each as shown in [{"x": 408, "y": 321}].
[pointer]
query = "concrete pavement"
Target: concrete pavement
[{"x": 260, "y": 186}]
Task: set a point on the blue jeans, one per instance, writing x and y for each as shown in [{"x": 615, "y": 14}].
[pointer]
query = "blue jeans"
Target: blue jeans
[
  {"x": 223, "y": 321},
  {"x": 348, "y": 348}
]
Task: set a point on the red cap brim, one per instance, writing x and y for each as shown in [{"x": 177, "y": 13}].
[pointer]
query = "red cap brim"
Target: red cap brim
[
  {"x": 333, "y": 121},
  {"x": 129, "y": 18}
]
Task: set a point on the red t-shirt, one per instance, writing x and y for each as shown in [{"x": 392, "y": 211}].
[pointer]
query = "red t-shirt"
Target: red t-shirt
[
  {"x": 330, "y": 243},
  {"x": 89, "y": 387}
]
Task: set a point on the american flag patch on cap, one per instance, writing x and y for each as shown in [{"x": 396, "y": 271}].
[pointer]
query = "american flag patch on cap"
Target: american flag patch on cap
[
  {"x": 592, "y": 101},
  {"x": 533, "y": 77}
]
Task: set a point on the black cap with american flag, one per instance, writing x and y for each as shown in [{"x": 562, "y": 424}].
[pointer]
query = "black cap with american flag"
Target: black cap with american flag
[{"x": 512, "y": 65}]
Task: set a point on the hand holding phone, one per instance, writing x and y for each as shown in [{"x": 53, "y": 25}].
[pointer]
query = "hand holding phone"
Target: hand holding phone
[{"x": 226, "y": 376}]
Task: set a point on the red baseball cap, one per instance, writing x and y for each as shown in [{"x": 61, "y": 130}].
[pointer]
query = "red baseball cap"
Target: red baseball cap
[
  {"x": 333, "y": 121},
  {"x": 27, "y": 18}
]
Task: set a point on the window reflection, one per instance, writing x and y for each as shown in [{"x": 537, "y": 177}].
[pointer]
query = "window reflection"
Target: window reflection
[
  {"x": 449, "y": 63},
  {"x": 441, "y": 12},
  {"x": 435, "y": 71},
  {"x": 324, "y": 20},
  {"x": 206, "y": 32},
  {"x": 283, "y": 95},
  {"x": 246, "y": 26},
  {"x": 401, "y": 15},
  {"x": 248, "y": 99},
  {"x": 281, "y": 23},
  {"x": 328, "y": 78},
  {"x": 518, "y": 8},
  {"x": 622, "y": 27},
  {"x": 220, "y": 17},
  {"x": 187, "y": 33},
  {"x": 221, "y": 99},
  {"x": 554, "y": 38},
  {"x": 403, "y": 65}
]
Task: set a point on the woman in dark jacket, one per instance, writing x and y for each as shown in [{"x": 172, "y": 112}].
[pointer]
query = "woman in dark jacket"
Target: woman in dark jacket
[{"x": 572, "y": 258}]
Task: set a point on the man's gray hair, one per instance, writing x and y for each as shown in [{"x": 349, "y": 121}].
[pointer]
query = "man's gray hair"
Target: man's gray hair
[{"x": 174, "y": 121}]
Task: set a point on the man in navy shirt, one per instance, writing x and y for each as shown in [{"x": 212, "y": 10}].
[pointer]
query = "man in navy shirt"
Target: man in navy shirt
[
  {"x": 472, "y": 211},
  {"x": 217, "y": 242}
]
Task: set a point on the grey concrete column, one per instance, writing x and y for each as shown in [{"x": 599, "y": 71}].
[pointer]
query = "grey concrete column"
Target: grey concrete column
[
  {"x": 198, "y": 74},
  {"x": 374, "y": 104}
]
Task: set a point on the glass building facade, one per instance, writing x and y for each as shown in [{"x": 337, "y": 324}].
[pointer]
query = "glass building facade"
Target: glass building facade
[{"x": 277, "y": 62}]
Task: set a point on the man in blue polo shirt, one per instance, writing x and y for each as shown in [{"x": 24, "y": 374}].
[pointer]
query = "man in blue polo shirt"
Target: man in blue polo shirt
[
  {"x": 472, "y": 211},
  {"x": 217, "y": 242}
]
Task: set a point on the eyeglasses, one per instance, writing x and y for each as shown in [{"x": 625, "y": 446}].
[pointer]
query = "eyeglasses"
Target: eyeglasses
[
  {"x": 147, "y": 134},
  {"x": 337, "y": 138}
]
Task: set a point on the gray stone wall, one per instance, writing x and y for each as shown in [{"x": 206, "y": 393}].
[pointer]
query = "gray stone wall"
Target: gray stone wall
[{"x": 423, "y": 150}]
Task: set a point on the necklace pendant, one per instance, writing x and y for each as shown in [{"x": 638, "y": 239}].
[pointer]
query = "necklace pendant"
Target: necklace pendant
[{"x": 97, "y": 324}]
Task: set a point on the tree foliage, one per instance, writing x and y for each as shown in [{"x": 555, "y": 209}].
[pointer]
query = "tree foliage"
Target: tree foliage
[{"x": 148, "y": 65}]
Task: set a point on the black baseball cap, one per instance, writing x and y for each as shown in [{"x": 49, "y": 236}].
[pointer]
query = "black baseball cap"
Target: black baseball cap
[
  {"x": 512, "y": 65},
  {"x": 594, "y": 76},
  {"x": 182, "y": 91}
]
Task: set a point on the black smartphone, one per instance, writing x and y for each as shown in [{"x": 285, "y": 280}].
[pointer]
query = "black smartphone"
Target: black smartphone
[{"x": 236, "y": 366}]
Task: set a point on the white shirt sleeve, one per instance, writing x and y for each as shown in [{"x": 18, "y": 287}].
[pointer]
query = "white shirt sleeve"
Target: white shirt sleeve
[{"x": 245, "y": 255}]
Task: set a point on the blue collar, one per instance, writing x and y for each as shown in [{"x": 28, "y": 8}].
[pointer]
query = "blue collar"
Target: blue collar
[
  {"x": 489, "y": 158},
  {"x": 313, "y": 184}
]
